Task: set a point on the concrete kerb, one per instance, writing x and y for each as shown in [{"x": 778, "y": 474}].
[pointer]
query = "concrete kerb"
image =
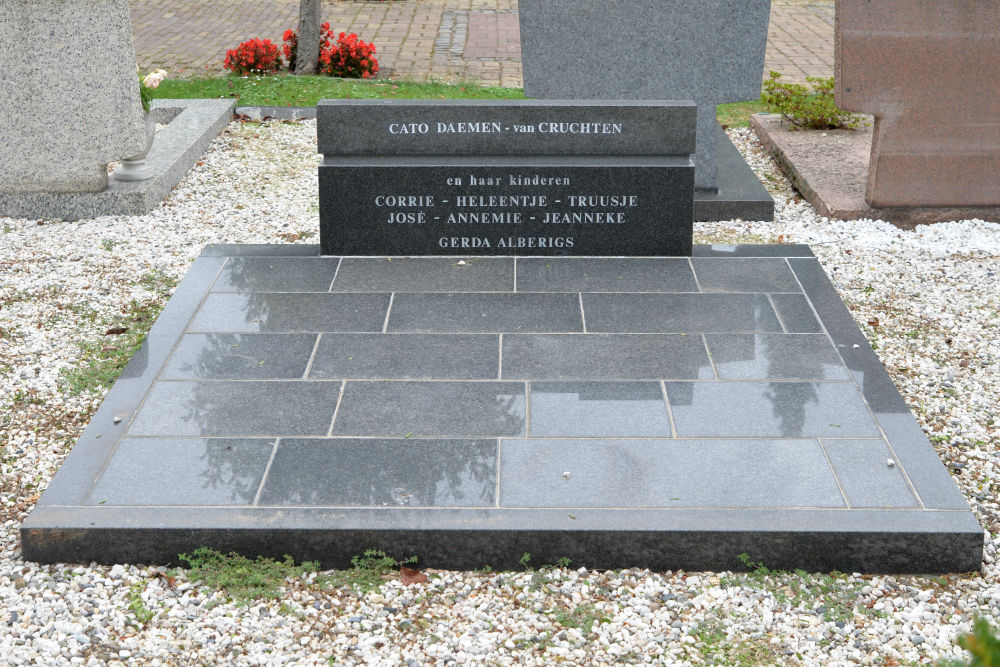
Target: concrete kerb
[{"x": 192, "y": 125}]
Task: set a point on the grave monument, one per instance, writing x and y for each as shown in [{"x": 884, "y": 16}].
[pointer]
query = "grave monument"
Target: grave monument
[
  {"x": 711, "y": 51},
  {"x": 929, "y": 72},
  {"x": 68, "y": 94},
  {"x": 667, "y": 412},
  {"x": 523, "y": 177}
]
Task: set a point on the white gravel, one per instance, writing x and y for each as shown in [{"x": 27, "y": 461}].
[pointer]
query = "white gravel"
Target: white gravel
[{"x": 929, "y": 300}]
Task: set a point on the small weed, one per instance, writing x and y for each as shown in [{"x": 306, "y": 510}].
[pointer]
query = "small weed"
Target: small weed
[
  {"x": 710, "y": 636},
  {"x": 26, "y": 396},
  {"x": 243, "y": 579},
  {"x": 143, "y": 614},
  {"x": 582, "y": 617},
  {"x": 368, "y": 571},
  {"x": 292, "y": 237},
  {"x": 109, "y": 244},
  {"x": 525, "y": 561},
  {"x": 158, "y": 282},
  {"x": 831, "y": 593}
]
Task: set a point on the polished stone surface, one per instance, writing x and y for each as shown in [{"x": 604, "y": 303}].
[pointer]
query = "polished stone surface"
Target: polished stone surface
[
  {"x": 504, "y": 127},
  {"x": 407, "y": 356},
  {"x": 603, "y": 356},
  {"x": 374, "y": 473},
  {"x": 547, "y": 205},
  {"x": 654, "y": 412},
  {"x": 572, "y": 49},
  {"x": 646, "y": 473},
  {"x": 188, "y": 471},
  {"x": 775, "y": 357},
  {"x": 606, "y": 274},
  {"x": 240, "y": 357},
  {"x": 485, "y": 313},
  {"x": 431, "y": 409},
  {"x": 598, "y": 409},
  {"x": 264, "y": 312},
  {"x": 679, "y": 313}
]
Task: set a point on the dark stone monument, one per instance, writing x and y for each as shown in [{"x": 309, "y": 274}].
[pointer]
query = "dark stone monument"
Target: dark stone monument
[
  {"x": 522, "y": 177},
  {"x": 709, "y": 51}
]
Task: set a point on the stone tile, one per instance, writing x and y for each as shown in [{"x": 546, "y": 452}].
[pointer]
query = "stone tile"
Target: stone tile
[
  {"x": 863, "y": 470},
  {"x": 485, "y": 313},
  {"x": 604, "y": 357},
  {"x": 197, "y": 471},
  {"x": 744, "y": 275},
  {"x": 266, "y": 312},
  {"x": 679, "y": 313},
  {"x": 598, "y": 409},
  {"x": 380, "y": 473},
  {"x": 407, "y": 356},
  {"x": 261, "y": 250},
  {"x": 666, "y": 473},
  {"x": 277, "y": 274},
  {"x": 751, "y": 250},
  {"x": 240, "y": 357},
  {"x": 775, "y": 357},
  {"x": 221, "y": 408},
  {"x": 431, "y": 409},
  {"x": 599, "y": 274},
  {"x": 425, "y": 274},
  {"x": 795, "y": 313},
  {"x": 769, "y": 409}
]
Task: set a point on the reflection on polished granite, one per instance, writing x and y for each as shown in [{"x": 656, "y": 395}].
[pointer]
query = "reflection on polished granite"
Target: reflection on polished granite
[{"x": 656, "y": 412}]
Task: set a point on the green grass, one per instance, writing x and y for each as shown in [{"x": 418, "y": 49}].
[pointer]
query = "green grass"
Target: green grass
[
  {"x": 738, "y": 114},
  {"x": 104, "y": 359},
  {"x": 303, "y": 91},
  {"x": 281, "y": 90}
]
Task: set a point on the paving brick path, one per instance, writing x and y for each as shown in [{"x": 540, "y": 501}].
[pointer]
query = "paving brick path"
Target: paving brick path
[{"x": 473, "y": 40}]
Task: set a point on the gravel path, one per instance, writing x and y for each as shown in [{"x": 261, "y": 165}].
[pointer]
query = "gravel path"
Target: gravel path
[{"x": 929, "y": 300}]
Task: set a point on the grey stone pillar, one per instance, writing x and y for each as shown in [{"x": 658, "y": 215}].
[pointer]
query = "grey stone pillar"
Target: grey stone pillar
[
  {"x": 709, "y": 51},
  {"x": 69, "y": 95}
]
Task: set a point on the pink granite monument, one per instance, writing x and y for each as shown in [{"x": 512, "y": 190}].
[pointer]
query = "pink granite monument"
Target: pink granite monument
[{"x": 929, "y": 70}]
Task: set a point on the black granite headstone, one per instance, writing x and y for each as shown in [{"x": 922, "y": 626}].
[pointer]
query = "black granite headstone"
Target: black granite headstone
[{"x": 524, "y": 177}]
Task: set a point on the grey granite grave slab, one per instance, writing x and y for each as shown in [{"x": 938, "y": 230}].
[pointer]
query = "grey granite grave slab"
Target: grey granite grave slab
[
  {"x": 472, "y": 427},
  {"x": 191, "y": 127}
]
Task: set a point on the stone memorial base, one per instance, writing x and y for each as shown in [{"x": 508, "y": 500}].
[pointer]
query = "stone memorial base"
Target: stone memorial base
[
  {"x": 740, "y": 193},
  {"x": 830, "y": 170},
  {"x": 665, "y": 412},
  {"x": 192, "y": 125}
]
